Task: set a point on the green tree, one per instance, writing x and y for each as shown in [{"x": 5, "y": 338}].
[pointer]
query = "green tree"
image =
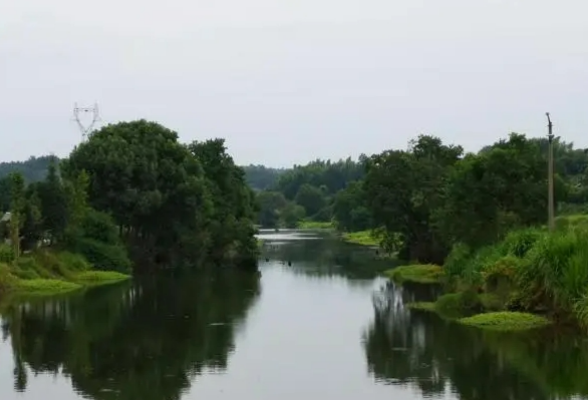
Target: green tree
[
  {"x": 350, "y": 209},
  {"x": 32, "y": 170},
  {"x": 17, "y": 210},
  {"x": 270, "y": 206},
  {"x": 32, "y": 227},
  {"x": 259, "y": 177},
  {"x": 153, "y": 187},
  {"x": 54, "y": 203},
  {"x": 292, "y": 214},
  {"x": 231, "y": 226},
  {"x": 4, "y": 194},
  {"x": 500, "y": 188},
  {"x": 311, "y": 198},
  {"x": 404, "y": 190}
]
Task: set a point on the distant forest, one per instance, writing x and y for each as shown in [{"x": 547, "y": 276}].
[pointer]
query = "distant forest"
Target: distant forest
[{"x": 35, "y": 169}]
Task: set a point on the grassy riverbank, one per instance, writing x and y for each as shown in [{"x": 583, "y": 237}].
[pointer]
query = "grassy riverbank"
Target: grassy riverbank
[
  {"x": 49, "y": 272},
  {"x": 315, "y": 225},
  {"x": 530, "y": 272},
  {"x": 363, "y": 238}
]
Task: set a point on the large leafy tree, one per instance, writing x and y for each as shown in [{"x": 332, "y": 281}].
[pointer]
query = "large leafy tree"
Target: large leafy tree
[
  {"x": 311, "y": 198},
  {"x": 151, "y": 185},
  {"x": 234, "y": 211},
  {"x": 54, "y": 203},
  {"x": 403, "y": 190},
  {"x": 176, "y": 205},
  {"x": 350, "y": 209},
  {"x": 500, "y": 188},
  {"x": 270, "y": 206}
]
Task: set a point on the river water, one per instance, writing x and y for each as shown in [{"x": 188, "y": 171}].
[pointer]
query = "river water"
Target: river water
[{"x": 318, "y": 324}]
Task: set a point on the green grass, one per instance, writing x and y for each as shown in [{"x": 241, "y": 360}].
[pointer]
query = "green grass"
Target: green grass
[
  {"x": 93, "y": 278},
  {"x": 50, "y": 273},
  {"x": 315, "y": 225},
  {"x": 506, "y": 321},
  {"x": 423, "y": 306},
  {"x": 420, "y": 273},
  {"x": 529, "y": 270},
  {"x": 364, "y": 238},
  {"x": 44, "y": 286}
]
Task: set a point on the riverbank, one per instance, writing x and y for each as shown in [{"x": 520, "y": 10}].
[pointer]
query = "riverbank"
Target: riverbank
[
  {"x": 530, "y": 272},
  {"x": 363, "y": 238},
  {"x": 52, "y": 272},
  {"x": 315, "y": 225}
]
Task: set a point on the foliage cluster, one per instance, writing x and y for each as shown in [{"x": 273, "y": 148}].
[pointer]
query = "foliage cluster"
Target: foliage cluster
[
  {"x": 529, "y": 270},
  {"x": 425, "y": 199},
  {"x": 316, "y": 192},
  {"x": 134, "y": 189}
]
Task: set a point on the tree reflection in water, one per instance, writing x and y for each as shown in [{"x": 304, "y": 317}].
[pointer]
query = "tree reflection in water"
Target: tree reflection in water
[
  {"x": 142, "y": 341},
  {"x": 434, "y": 356}
]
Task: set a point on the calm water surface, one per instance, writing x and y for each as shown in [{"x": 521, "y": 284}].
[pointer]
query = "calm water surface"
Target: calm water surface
[{"x": 321, "y": 328}]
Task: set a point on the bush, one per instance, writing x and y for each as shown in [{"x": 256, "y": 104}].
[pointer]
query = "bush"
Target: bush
[
  {"x": 519, "y": 242},
  {"x": 459, "y": 304},
  {"x": 426, "y": 273},
  {"x": 104, "y": 257},
  {"x": 500, "y": 275},
  {"x": 556, "y": 274},
  {"x": 7, "y": 280},
  {"x": 457, "y": 261},
  {"x": 99, "y": 226},
  {"x": 6, "y": 254}
]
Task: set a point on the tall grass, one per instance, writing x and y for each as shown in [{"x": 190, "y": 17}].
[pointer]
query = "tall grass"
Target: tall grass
[
  {"x": 541, "y": 270},
  {"x": 556, "y": 273}
]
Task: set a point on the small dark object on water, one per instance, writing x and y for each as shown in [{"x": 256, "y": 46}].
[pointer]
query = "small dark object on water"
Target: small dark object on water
[
  {"x": 289, "y": 264},
  {"x": 377, "y": 252},
  {"x": 267, "y": 260}
]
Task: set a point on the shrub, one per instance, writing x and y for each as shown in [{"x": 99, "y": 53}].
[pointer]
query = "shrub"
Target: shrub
[
  {"x": 556, "y": 274},
  {"x": 500, "y": 275},
  {"x": 459, "y": 304},
  {"x": 457, "y": 260},
  {"x": 104, "y": 257},
  {"x": 7, "y": 280},
  {"x": 519, "y": 242},
  {"x": 6, "y": 254},
  {"x": 99, "y": 226},
  {"x": 424, "y": 273}
]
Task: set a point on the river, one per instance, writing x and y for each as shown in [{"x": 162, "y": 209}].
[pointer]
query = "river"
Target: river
[{"x": 318, "y": 324}]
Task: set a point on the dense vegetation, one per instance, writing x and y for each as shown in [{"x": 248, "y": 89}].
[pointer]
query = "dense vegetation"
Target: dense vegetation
[
  {"x": 131, "y": 189},
  {"x": 439, "y": 357},
  {"x": 33, "y": 170},
  {"x": 309, "y": 192},
  {"x": 176, "y": 204},
  {"x": 260, "y": 177},
  {"x": 480, "y": 215}
]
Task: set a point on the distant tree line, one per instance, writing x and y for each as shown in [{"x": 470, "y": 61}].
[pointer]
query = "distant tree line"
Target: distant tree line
[
  {"x": 32, "y": 170},
  {"x": 423, "y": 199},
  {"x": 432, "y": 195}
]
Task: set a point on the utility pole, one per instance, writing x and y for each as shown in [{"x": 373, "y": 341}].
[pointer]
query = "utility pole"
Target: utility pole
[{"x": 550, "y": 201}]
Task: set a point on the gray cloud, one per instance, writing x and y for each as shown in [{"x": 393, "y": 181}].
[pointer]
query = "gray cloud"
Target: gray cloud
[{"x": 287, "y": 82}]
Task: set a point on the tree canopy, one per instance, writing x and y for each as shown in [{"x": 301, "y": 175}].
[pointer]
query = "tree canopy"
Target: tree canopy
[{"x": 133, "y": 188}]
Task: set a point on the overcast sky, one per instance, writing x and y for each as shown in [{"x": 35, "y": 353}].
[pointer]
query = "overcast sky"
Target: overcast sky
[{"x": 288, "y": 81}]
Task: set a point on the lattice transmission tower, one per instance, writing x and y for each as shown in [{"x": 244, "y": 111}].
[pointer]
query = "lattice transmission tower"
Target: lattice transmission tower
[{"x": 86, "y": 130}]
